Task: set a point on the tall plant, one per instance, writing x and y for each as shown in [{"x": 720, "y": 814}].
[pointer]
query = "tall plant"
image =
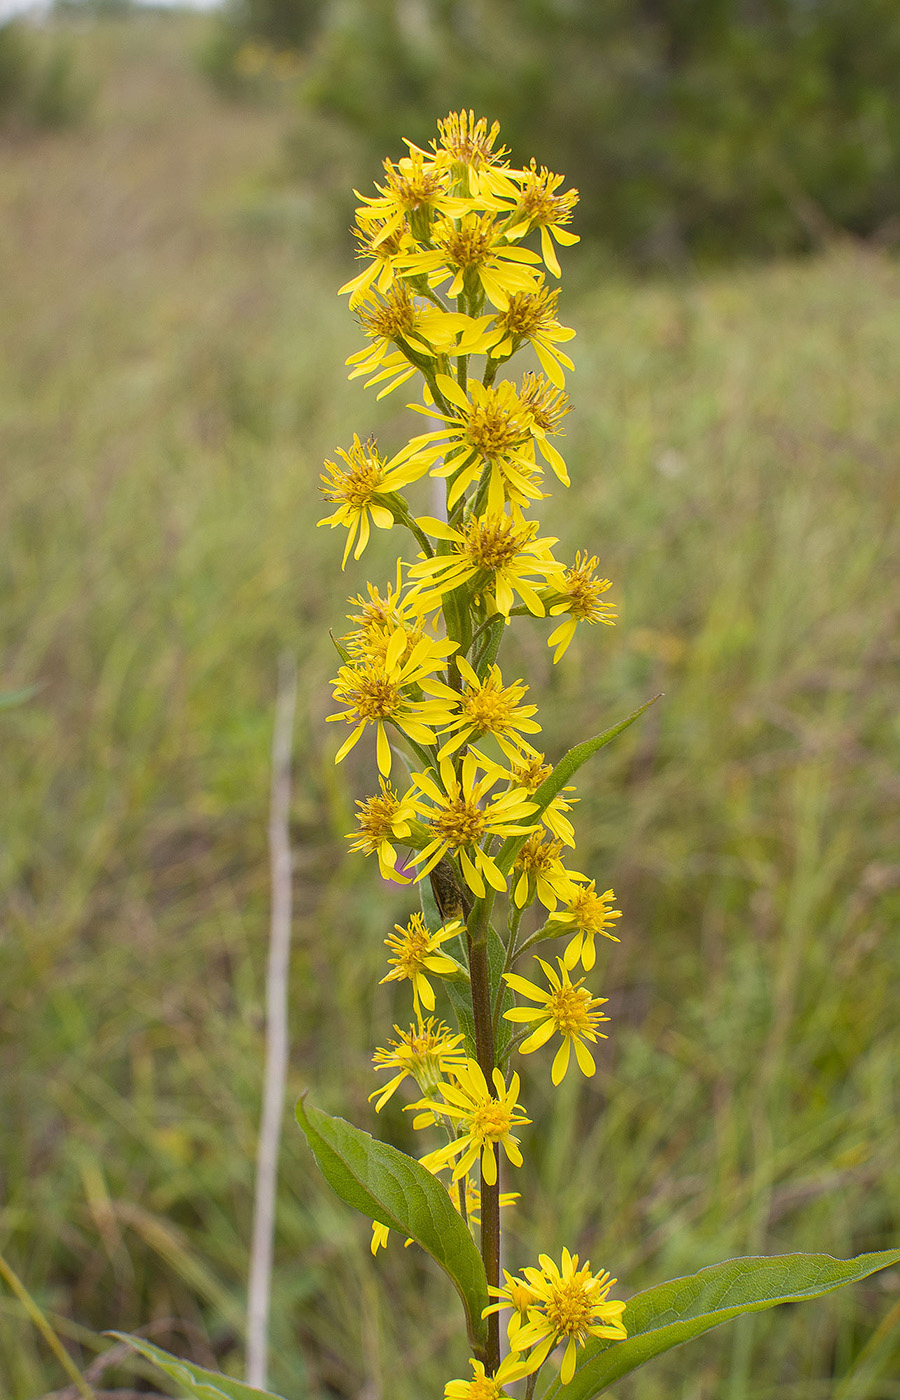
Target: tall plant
[{"x": 467, "y": 807}]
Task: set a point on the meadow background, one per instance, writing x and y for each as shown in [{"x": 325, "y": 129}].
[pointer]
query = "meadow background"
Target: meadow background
[{"x": 171, "y": 377}]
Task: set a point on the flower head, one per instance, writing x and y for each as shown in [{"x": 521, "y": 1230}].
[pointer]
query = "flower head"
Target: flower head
[
  {"x": 541, "y": 873},
  {"x": 579, "y": 595},
  {"x": 539, "y": 206},
  {"x": 589, "y": 913},
  {"x": 567, "y": 1009},
  {"x": 462, "y": 820},
  {"x": 485, "y": 1387},
  {"x": 531, "y": 317},
  {"x": 417, "y": 951},
  {"x": 382, "y": 247},
  {"x": 477, "y": 259},
  {"x": 426, "y": 1051},
  {"x": 571, "y": 1304},
  {"x": 377, "y": 690},
  {"x": 485, "y": 1119},
  {"x": 529, "y": 773},
  {"x": 356, "y": 488},
  {"x": 499, "y": 554},
  {"x": 489, "y": 707},
  {"x": 382, "y": 820}
]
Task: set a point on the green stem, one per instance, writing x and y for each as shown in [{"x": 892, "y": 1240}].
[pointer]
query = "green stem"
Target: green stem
[
  {"x": 543, "y": 933},
  {"x": 488, "y": 654}
]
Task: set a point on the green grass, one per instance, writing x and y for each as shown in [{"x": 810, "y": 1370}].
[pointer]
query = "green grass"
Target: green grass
[{"x": 171, "y": 376}]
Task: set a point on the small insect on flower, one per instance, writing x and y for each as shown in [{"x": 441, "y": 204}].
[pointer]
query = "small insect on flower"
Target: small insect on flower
[
  {"x": 418, "y": 951},
  {"x": 588, "y": 913},
  {"x": 567, "y": 1009},
  {"x": 570, "y": 1304},
  {"x": 485, "y": 1119}
]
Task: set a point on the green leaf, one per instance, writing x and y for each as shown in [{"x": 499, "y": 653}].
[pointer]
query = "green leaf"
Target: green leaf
[
  {"x": 561, "y": 774},
  {"x": 394, "y": 1189},
  {"x": 195, "y": 1381},
  {"x": 671, "y": 1313}
]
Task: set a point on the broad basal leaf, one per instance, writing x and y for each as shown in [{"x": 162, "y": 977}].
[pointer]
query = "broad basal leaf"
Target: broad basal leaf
[
  {"x": 195, "y": 1381},
  {"x": 674, "y": 1312},
  {"x": 394, "y": 1189}
]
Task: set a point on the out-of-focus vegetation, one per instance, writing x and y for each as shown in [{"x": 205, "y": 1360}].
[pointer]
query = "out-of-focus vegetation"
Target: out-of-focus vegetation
[
  {"x": 171, "y": 376},
  {"x": 694, "y": 128},
  {"x": 41, "y": 86}
]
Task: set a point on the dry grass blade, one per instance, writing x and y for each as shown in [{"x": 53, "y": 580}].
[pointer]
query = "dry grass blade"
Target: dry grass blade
[{"x": 260, "y": 1284}]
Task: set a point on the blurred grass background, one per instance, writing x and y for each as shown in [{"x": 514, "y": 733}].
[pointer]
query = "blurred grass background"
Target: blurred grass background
[{"x": 171, "y": 376}]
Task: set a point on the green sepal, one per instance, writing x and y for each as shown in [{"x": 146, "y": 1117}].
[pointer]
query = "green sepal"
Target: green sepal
[
  {"x": 383, "y": 1183},
  {"x": 195, "y": 1381},
  {"x": 671, "y": 1313},
  {"x": 341, "y": 650}
]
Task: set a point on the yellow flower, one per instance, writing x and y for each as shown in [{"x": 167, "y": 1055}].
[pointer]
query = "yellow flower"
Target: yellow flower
[
  {"x": 461, "y": 823},
  {"x": 490, "y": 707},
  {"x": 531, "y": 316},
  {"x": 567, "y": 1009},
  {"x": 485, "y": 1387},
  {"x": 547, "y": 406},
  {"x": 382, "y": 248},
  {"x": 542, "y": 874},
  {"x": 539, "y": 206},
  {"x": 382, "y": 820},
  {"x": 356, "y": 490},
  {"x": 589, "y": 913},
  {"x": 479, "y": 261},
  {"x": 579, "y": 595},
  {"x": 426, "y": 1051},
  {"x": 415, "y": 188},
  {"x": 404, "y": 332},
  {"x": 530, "y": 773},
  {"x": 486, "y": 1120},
  {"x": 374, "y": 691},
  {"x": 469, "y": 146},
  {"x": 491, "y": 428},
  {"x": 512, "y": 1294},
  {"x": 498, "y": 553},
  {"x": 417, "y": 952},
  {"x": 571, "y": 1304},
  {"x": 379, "y": 617}
]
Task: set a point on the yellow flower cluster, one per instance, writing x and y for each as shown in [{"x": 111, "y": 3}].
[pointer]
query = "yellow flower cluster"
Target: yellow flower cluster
[{"x": 450, "y": 291}]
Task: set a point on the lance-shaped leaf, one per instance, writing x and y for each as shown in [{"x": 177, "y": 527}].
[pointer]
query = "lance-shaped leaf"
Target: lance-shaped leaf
[
  {"x": 195, "y": 1381},
  {"x": 561, "y": 774},
  {"x": 396, "y": 1190},
  {"x": 671, "y": 1313}
]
